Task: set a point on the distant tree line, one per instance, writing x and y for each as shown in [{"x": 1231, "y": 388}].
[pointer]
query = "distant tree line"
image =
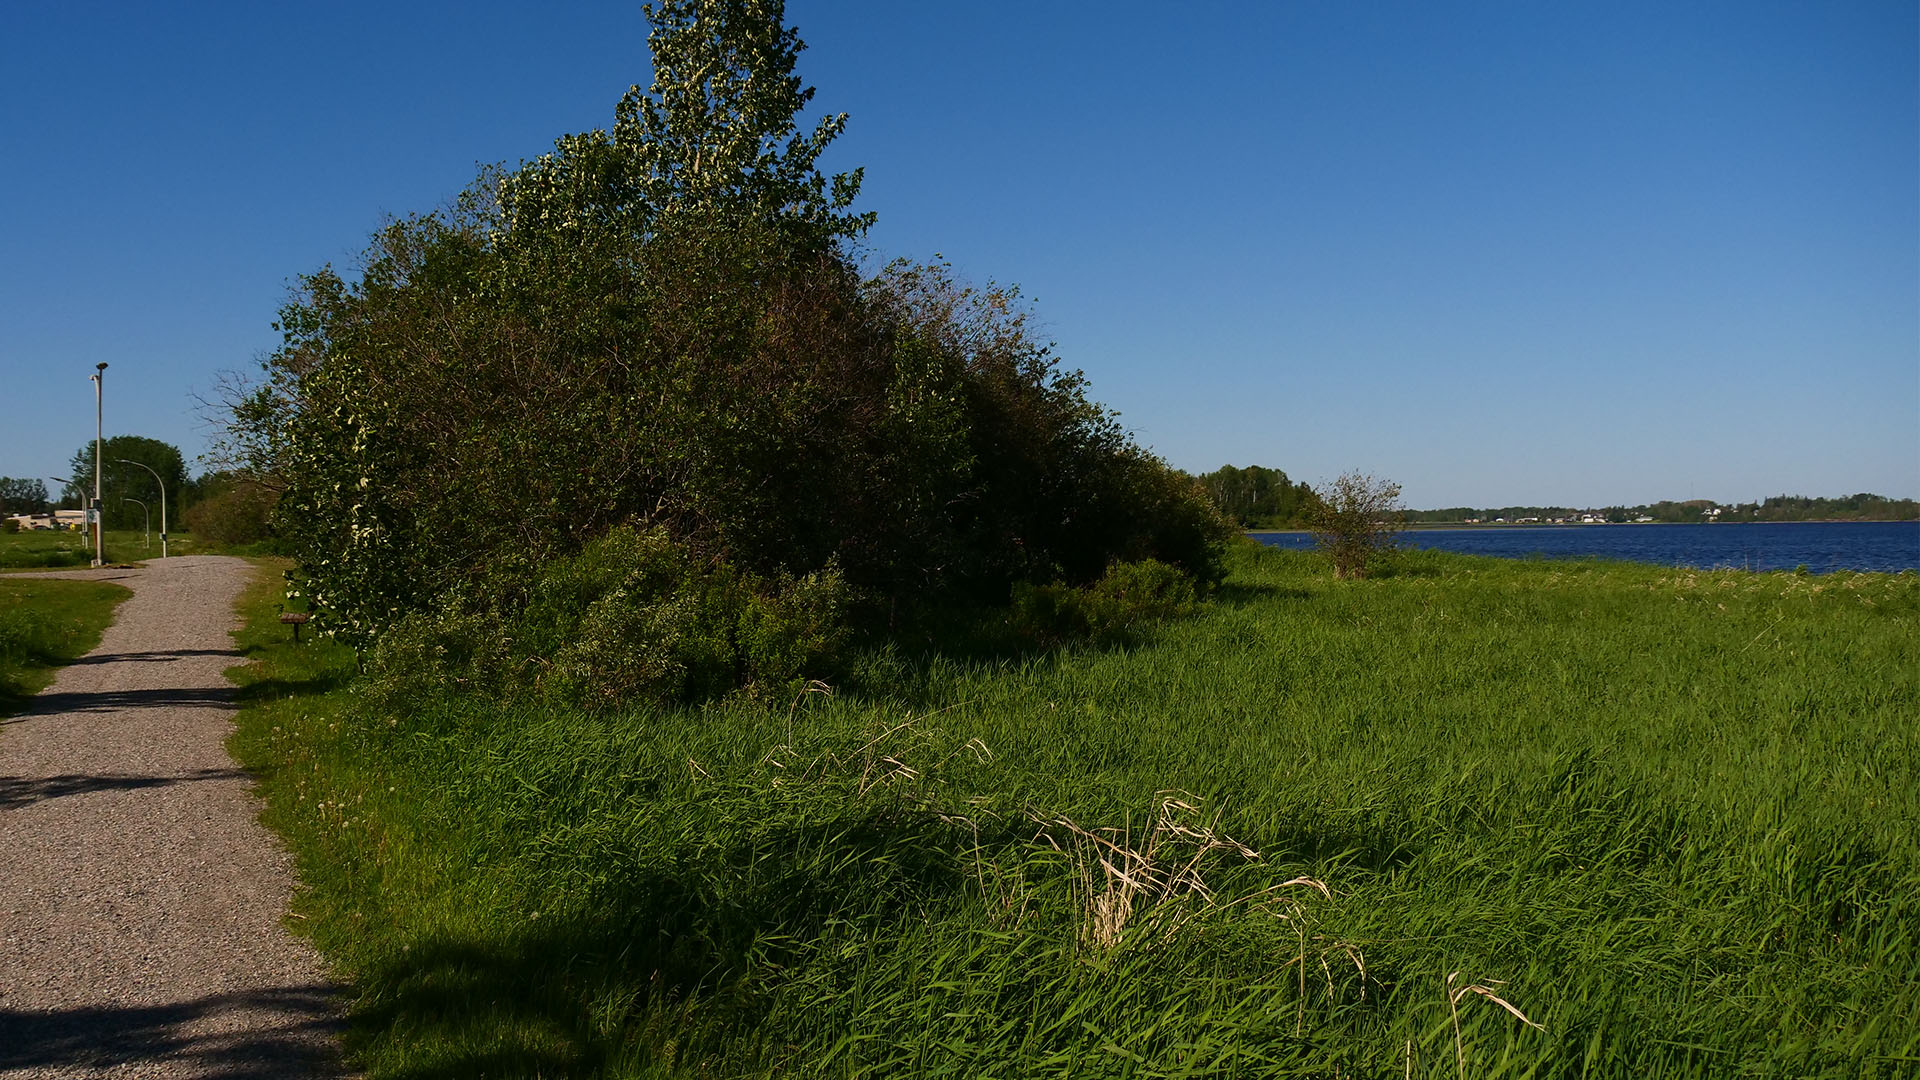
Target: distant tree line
[
  {"x": 1258, "y": 497},
  {"x": 222, "y": 506},
  {"x": 22, "y": 496},
  {"x": 1861, "y": 507},
  {"x": 121, "y": 483},
  {"x": 1864, "y": 506}
]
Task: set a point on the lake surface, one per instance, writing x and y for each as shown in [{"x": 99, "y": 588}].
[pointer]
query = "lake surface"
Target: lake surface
[{"x": 1820, "y": 546}]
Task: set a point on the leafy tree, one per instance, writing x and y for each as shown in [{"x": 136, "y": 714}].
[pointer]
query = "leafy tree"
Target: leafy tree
[
  {"x": 715, "y": 136},
  {"x": 671, "y": 336},
  {"x": 1258, "y": 497},
  {"x": 22, "y": 496},
  {"x": 119, "y": 482},
  {"x": 1357, "y": 518}
]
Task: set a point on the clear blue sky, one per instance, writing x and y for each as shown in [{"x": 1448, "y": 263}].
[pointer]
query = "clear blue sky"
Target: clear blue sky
[{"x": 1504, "y": 253}]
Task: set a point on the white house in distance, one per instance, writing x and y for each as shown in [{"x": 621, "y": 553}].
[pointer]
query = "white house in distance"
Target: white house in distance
[{"x": 59, "y": 519}]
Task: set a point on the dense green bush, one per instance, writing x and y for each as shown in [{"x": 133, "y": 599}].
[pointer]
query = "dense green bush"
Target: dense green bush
[
  {"x": 634, "y": 617},
  {"x": 606, "y": 336},
  {"x": 763, "y": 407},
  {"x": 232, "y": 512},
  {"x": 1130, "y": 597}
]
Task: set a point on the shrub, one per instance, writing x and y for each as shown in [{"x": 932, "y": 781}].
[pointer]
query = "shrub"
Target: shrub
[
  {"x": 634, "y": 617},
  {"x": 1129, "y": 598},
  {"x": 1356, "y": 519},
  {"x": 236, "y": 513}
]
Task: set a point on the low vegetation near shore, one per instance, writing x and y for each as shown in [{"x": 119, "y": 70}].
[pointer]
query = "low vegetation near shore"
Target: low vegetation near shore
[
  {"x": 1466, "y": 817},
  {"x": 44, "y": 624}
]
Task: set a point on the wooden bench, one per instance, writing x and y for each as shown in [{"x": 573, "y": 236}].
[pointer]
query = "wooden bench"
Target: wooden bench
[{"x": 296, "y": 619}]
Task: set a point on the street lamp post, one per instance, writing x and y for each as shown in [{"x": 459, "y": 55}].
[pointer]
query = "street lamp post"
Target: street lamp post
[
  {"x": 146, "y": 524},
  {"x": 65, "y": 483},
  {"x": 163, "y": 502},
  {"x": 99, "y": 378}
]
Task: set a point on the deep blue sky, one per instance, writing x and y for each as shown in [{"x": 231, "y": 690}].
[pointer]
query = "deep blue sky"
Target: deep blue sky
[{"x": 1504, "y": 253}]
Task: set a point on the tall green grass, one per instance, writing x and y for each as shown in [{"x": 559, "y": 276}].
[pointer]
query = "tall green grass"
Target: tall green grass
[
  {"x": 1322, "y": 829},
  {"x": 44, "y": 624}
]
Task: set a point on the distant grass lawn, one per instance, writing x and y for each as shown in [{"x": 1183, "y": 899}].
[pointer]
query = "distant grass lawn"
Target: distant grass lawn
[
  {"x": 44, "y": 624},
  {"x": 60, "y": 549},
  {"x": 1672, "y": 817}
]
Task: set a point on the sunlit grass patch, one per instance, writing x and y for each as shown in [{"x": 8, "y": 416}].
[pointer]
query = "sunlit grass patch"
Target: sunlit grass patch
[
  {"x": 1670, "y": 818},
  {"x": 44, "y": 624}
]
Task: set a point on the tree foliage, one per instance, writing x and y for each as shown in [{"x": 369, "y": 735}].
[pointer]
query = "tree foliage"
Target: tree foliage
[
  {"x": 231, "y": 509},
  {"x": 22, "y": 496},
  {"x": 660, "y": 327},
  {"x": 1356, "y": 519},
  {"x": 716, "y": 136},
  {"x": 120, "y": 482},
  {"x": 1257, "y": 497}
]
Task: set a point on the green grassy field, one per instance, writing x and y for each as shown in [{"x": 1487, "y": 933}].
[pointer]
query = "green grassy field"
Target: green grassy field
[
  {"x": 60, "y": 549},
  {"x": 1324, "y": 829},
  {"x": 44, "y": 624}
]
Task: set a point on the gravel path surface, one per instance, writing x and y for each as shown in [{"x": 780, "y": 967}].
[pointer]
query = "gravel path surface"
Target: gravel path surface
[{"x": 140, "y": 898}]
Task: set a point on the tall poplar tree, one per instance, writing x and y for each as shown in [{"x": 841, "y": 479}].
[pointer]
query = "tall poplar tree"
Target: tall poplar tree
[{"x": 716, "y": 135}]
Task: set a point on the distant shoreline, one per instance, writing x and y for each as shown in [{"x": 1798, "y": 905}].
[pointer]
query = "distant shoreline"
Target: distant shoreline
[{"x": 1448, "y": 526}]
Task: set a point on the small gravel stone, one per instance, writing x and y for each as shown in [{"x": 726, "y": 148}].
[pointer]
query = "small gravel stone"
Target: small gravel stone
[{"x": 141, "y": 900}]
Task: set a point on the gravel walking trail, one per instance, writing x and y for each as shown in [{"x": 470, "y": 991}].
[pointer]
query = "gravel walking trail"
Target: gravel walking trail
[{"x": 140, "y": 897}]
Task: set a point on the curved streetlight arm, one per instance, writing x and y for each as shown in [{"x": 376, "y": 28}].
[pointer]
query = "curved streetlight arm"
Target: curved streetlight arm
[
  {"x": 63, "y": 495},
  {"x": 163, "y": 502},
  {"x": 146, "y": 520}
]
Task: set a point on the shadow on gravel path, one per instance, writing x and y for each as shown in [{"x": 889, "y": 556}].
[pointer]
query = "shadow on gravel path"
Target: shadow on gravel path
[
  {"x": 142, "y": 903},
  {"x": 196, "y": 1037},
  {"x": 56, "y": 703},
  {"x": 19, "y": 791}
]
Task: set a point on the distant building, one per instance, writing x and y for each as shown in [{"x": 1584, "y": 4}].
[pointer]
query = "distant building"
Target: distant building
[{"x": 29, "y": 522}]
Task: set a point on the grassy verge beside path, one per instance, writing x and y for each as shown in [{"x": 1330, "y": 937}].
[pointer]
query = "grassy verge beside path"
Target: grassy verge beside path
[
  {"x": 44, "y": 624},
  {"x": 1671, "y": 817},
  {"x": 61, "y": 549}
]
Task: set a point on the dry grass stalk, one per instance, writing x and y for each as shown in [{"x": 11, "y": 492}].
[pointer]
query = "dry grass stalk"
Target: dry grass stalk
[
  {"x": 1159, "y": 875},
  {"x": 1454, "y": 994}
]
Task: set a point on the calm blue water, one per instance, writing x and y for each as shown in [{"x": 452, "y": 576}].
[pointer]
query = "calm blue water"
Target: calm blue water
[{"x": 1820, "y": 546}]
